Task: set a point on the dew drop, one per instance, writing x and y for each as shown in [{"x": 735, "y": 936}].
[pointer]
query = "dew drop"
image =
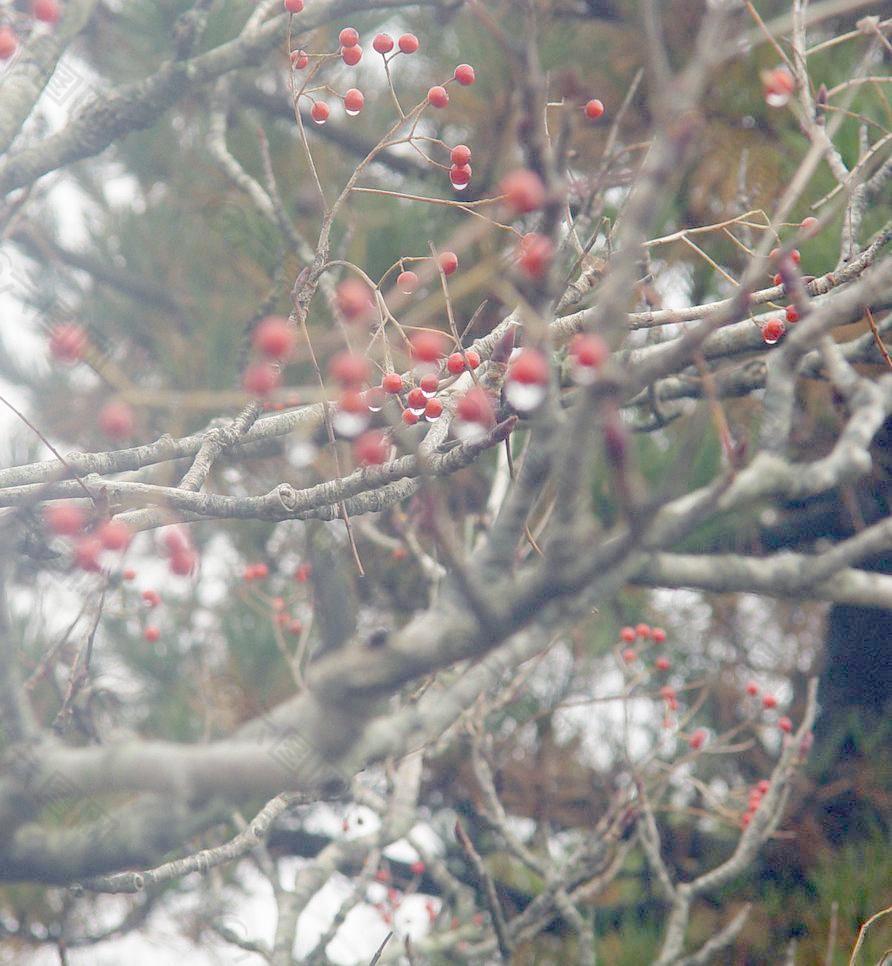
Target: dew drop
[
  {"x": 349, "y": 424},
  {"x": 460, "y": 187},
  {"x": 468, "y": 432},
  {"x": 423, "y": 369},
  {"x": 776, "y": 98},
  {"x": 524, "y": 396},
  {"x": 302, "y": 453},
  {"x": 351, "y": 113},
  {"x": 583, "y": 375}
]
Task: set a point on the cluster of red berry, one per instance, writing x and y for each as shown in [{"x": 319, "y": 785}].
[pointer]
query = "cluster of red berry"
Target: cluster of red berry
[
  {"x": 69, "y": 344},
  {"x": 773, "y": 329},
  {"x": 46, "y": 11},
  {"x": 769, "y": 703},
  {"x": 257, "y": 572},
  {"x": 755, "y": 799},
  {"x": 89, "y": 542},
  {"x": 350, "y": 52},
  {"x": 647, "y": 635}
]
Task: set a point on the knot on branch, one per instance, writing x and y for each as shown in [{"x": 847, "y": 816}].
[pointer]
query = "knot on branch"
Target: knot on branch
[{"x": 287, "y": 496}]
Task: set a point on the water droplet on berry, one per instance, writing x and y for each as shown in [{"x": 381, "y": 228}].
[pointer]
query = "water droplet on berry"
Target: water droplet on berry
[
  {"x": 776, "y": 98},
  {"x": 524, "y": 396},
  {"x": 583, "y": 375},
  {"x": 468, "y": 432},
  {"x": 349, "y": 424}
]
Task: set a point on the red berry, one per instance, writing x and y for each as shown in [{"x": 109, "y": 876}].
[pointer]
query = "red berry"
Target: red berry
[
  {"x": 778, "y": 85},
  {"x": 392, "y": 383},
  {"x": 353, "y": 101},
  {"x": 460, "y": 154},
  {"x": 68, "y": 341},
  {"x": 448, "y": 262},
  {"x": 407, "y": 282},
  {"x": 274, "y": 337},
  {"x": 416, "y": 400},
  {"x": 183, "y": 562},
  {"x": 438, "y": 96},
  {"x": 763, "y": 785},
  {"x": 294, "y": 627},
  {"x": 473, "y": 358},
  {"x": 354, "y": 300},
  {"x": 785, "y": 724},
  {"x": 745, "y": 819},
  {"x": 433, "y": 410},
  {"x": 769, "y": 701},
  {"x": 372, "y": 448},
  {"x": 349, "y": 369},
  {"x": 792, "y": 314},
  {"x": 475, "y": 407},
  {"x": 116, "y": 420},
  {"x": 86, "y": 553},
  {"x": 697, "y": 739},
  {"x": 589, "y": 351},
  {"x": 630, "y": 655},
  {"x": 642, "y": 630},
  {"x": 151, "y": 598},
  {"x": 114, "y": 535},
  {"x": 299, "y": 59},
  {"x": 176, "y": 539},
  {"x": 523, "y": 190},
  {"x": 460, "y": 175},
  {"x": 383, "y": 43},
  {"x": 128, "y": 574},
  {"x": 429, "y": 384},
  {"x": 456, "y": 363},
  {"x": 530, "y": 367},
  {"x": 46, "y": 10},
  {"x": 410, "y": 418},
  {"x": 464, "y": 74},
  {"x": 348, "y": 37},
  {"x": 752, "y": 689},
  {"x": 809, "y": 225},
  {"x": 351, "y": 55},
  {"x": 667, "y": 692},
  {"x": 319, "y": 112},
  {"x": 64, "y": 519},
  {"x": 427, "y": 346},
  {"x": 294, "y": 6},
  {"x": 773, "y": 330},
  {"x": 351, "y": 401},
  {"x": 261, "y": 378},
  {"x": 628, "y": 634},
  {"x": 261, "y": 571},
  {"x": 302, "y": 573},
  {"x": 151, "y": 634},
  {"x": 408, "y": 43},
  {"x": 534, "y": 254},
  {"x": 658, "y": 634},
  {"x": 663, "y": 663},
  {"x": 417, "y": 868},
  {"x": 8, "y": 43},
  {"x": 594, "y": 109}
]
